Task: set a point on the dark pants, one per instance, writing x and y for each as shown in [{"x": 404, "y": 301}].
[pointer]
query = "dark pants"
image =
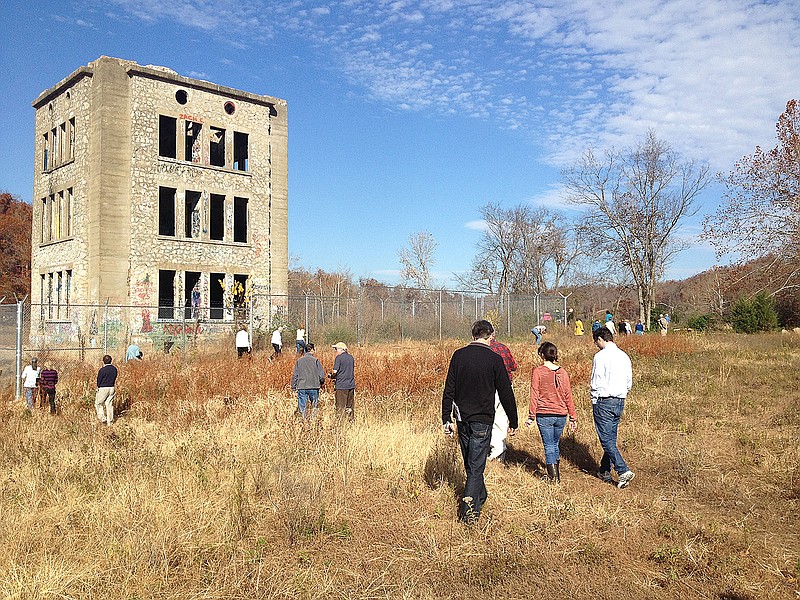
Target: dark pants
[
  {"x": 607, "y": 413},
  {"x": 475, "y": 439},
  {"x": 242, "y": 350},
  {"x": 344, "y": 403},
  {"x": 51, "y": 398}
]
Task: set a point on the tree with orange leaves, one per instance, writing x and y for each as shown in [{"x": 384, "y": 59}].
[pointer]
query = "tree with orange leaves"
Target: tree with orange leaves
[
  {"x": 760, "y": 214},
  {"x": 15, "y": 246}
]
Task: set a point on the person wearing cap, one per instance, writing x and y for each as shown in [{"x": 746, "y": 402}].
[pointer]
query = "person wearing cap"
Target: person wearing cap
[
  {"x": 307, "y": 378},
  {"x": 30, "y": 379},
  {"x": 343, "y": 374}
]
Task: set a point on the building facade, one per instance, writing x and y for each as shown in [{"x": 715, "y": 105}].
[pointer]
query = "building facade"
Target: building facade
[{"x": 157, "y": 191}]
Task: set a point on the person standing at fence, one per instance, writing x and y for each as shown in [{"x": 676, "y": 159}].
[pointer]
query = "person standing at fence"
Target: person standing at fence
[
  {"x": 242, "y": 341},
  {"x": 307, "y": 378},
  {"x": 277, "y": 343},
  {"x": 474, "y": 376},
  {"x": 300, "y": 339},
  {"x": 343, "y": 374},
  {"x": 48, "y": 380},
  {"x": 30, "y": 380},
  {"x": 500, "y": 425},
  {"x": 104, "y": 398}
]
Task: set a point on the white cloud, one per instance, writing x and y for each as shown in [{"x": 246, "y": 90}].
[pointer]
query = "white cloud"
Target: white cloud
[
  {"x": 479, "y": 225},
  {"x": 710, "y": 77}
]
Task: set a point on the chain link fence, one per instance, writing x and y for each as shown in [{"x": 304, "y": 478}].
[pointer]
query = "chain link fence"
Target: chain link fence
[{"x": 69, "y": 334}]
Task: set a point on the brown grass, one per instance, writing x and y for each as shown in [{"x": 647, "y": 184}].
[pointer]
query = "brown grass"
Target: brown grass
[{"x": 208, "y": 487}]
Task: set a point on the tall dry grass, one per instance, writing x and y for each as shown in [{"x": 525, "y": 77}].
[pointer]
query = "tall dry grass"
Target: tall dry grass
[{"x": 209, "y": 487}]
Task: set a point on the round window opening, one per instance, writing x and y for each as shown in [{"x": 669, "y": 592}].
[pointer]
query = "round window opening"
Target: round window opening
[
  {"x": 181, "y": 97},
  {"x": 230, "y": 107}
]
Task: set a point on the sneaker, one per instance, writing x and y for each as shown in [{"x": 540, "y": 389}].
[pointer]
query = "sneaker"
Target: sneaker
[
  {"x": 605, "y": 476},
  {"x": 625, "y": 479}
]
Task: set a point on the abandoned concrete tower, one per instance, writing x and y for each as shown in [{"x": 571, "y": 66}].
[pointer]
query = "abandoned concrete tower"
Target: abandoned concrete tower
[{"x": 157, "y": 190}]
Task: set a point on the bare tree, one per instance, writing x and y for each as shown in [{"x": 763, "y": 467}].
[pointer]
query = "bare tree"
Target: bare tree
[
  {"x": 418, "y": 259},
  {"x": 635, "y": 200},
  {"x": 760, "y": 215}
]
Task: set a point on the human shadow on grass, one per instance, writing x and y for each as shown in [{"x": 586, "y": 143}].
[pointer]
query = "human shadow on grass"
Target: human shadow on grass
[
  {"x": 526, "y": 460},
  {"x": 577, "y": 454},
  {"x": 444, "y": 467}
]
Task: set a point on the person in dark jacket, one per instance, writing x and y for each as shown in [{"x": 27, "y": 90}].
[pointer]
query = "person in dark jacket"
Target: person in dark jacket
[
  {"x": 307, "y": 378},
  {"x": 106, "y": 380},
  {"x": 475, "y": 374},
  {"x": 48, "y": 379}
]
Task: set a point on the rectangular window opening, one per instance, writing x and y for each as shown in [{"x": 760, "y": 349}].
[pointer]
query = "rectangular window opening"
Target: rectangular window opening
[
  {"x": 192, "y": 215},
  {"x": 216, "y": 299},
  {"x": 240, "y": 151},
  {"x": 167, "y": 136},
  {"x": 239, "y": 294},
  {"x": 191, "y": 295},
  {"x": 166, "y": 210},
  {"x": 67, "y": 286},
  {"x": 166, "y": 294},
  {"x": 46, "y": 153},
  {"x": 193, "y": 150},
  {"x": 240, "y": 219},
  {"x": 68, "y": 213},
  {"x": 72, "y": 138},
  {"x": 216, "y": 227},
  {"x": 62, "y": 142},
  {"x": 217, "y": 147},
  {"x": 59, "y": 214}
]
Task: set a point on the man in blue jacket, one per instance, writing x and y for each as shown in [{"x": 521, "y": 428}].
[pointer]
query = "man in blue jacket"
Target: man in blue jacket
[
  {"x": 476, "y": 372},
  {"x": 307, "y": 378}
]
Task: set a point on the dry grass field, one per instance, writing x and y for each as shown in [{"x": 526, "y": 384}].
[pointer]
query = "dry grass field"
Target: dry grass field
[{"x": 208, "y": 486}]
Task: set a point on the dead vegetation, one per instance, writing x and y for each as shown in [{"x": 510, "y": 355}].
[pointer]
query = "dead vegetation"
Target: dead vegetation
[{"x": 208, "y": 486}]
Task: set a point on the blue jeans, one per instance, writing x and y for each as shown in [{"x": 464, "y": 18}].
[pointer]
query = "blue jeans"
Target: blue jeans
[
  {"x": 607, "y": 412},
  {"x": 29, "y": 396},
  {"x": 475, "y": 439},
  {"x": 538, "y": 337},
  {"x": 306, "y": 397},
  {"x": 550, "y": 428},
  {"x": 301, "y": 346}
]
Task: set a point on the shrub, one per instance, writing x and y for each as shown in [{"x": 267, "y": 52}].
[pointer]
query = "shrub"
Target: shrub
[
  {"x": 700, "y": 322},
  {"x": 753, "y": 315}
]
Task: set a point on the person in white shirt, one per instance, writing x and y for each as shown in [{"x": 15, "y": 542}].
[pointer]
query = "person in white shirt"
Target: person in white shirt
[
  {"x": 30, "y": 379},
  {"x": 277, "y": 343},
  {"x": 300, "y": 340},
  {"x": 612, "y": 378},
  {"x": 242, "y": 342}
]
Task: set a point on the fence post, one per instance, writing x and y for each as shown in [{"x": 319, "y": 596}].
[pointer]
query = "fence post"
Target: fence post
[
  {"x": 358, "y": 318},
  {"x": 508, "y": 313},
  {"x": 440, "y": 315},
  {"x": 105, "y": 328},
  {"x": 402, "y": 313},
  {"x": 250, "y": 306},
  {"x": 183, "y": 335},
  {"x": 308, "y": 330},
  {"x": 18, "y": 361}
]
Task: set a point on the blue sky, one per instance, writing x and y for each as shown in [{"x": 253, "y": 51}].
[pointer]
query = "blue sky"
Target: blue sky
[{"x": 407, "y": 116}]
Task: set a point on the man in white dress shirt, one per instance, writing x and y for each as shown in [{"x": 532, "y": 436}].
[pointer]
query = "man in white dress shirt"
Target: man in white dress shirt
[{"x": 612, "y": 377}]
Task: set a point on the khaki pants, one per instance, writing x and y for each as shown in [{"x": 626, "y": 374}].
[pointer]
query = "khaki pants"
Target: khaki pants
[
  {"x": 344, "y": 403},
  {"x": 105, "y": 396}
]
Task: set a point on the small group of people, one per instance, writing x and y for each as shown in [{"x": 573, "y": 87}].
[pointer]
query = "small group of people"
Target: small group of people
[
  {"x": 38, "y": 381},
  {"x": 309, "y": 377},
  {"x": 478, "y": 403}
]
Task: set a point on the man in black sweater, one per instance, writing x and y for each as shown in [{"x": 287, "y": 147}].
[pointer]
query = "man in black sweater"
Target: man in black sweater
[{"x": 475, "y": 374}]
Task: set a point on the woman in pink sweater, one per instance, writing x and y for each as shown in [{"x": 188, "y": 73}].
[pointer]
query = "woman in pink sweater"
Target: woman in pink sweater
[{"x": 551, "y": 403}]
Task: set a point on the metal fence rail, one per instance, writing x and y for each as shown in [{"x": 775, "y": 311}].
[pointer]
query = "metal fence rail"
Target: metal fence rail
[{"x": 368, "y": 314}]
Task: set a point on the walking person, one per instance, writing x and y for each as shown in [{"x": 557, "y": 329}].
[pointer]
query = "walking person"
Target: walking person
[
  {"x": 663, "y": 325},
  {"x": 612, "y": 378},
  {"x": 242, "y": 342},
  {"x": 578, "y": 327},
  {"x": 277, "y": 343},
  {"x": 307, "y": 378},
  {"x": 48, "y": 379},
  {"x": 500, "y": 425},
  {"x": 30, "y": 381},
  {"x": 639, "y": 328},
  {"x": 343, "y": 374},
  {"x": 550, "y": 405},
  {"x": 104, "y": 398},
  {"x": 475, "y": 374},
  {"x": 300, "y": 339}
]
